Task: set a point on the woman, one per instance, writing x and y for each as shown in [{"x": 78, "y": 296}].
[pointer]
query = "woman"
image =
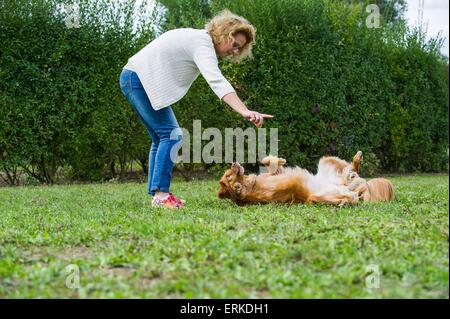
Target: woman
[{"x": 161, "y": 73}]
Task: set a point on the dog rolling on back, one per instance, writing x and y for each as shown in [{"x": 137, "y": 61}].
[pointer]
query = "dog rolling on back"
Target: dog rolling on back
[{"x": 337, "y": 182}]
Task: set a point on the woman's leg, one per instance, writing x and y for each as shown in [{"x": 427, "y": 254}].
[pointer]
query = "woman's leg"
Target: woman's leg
[
  {"x": 153, "y": 148},
  {"x": 166, "y": 126},
  {"x": 134, "y": 92},
  {"x": 163, "y": 129}
]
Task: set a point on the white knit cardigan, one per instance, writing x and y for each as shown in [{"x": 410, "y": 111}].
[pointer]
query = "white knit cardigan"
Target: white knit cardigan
[{"x": 168, "y": 65}]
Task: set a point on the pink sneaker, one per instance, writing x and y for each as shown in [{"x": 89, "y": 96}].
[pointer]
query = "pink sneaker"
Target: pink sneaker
[{"x": 169, "y": 202}]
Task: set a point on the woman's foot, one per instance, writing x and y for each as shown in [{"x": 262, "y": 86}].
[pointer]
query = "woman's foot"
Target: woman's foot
[{"x": 167, "y": 200}]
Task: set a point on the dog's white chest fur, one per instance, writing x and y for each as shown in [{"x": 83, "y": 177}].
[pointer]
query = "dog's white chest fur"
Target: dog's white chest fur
[{"x": 326, "y": 181}]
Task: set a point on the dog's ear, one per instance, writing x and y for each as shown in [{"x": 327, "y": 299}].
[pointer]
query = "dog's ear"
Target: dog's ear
[{"x": 222, "y": 193}]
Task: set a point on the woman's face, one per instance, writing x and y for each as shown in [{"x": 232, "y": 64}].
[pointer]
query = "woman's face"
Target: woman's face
[{"x": 233, "y": 47}]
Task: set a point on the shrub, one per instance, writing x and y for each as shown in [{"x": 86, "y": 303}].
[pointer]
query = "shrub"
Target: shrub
[{"x": 334, "y": 85}]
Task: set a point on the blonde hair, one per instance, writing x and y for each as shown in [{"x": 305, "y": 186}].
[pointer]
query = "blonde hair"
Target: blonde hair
[{"x": 227, "y": 24}]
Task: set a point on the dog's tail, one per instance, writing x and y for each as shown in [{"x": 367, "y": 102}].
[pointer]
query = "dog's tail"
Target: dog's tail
[{"x": 379, "y": 189}]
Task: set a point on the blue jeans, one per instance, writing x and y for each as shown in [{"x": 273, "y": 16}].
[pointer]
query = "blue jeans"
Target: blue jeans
[{"x": 163, "y": 128}]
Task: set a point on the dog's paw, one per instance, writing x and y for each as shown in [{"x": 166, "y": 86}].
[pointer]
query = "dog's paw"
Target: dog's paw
[
  {"x": 238, "y": 168},
  {"x": 358, "y": 156},
  {"x": 281, "y": 161},
  {"x": 351, "y": 198},
  {"x": 349, "y": 175},
  {"x": 355, "y": 184},
  {"x": 266, "y": 161},
  {"x": 273, "y": 161},
  {"x": 356, "y": 162},
  {"x": 273, "y": 164},
  {"x": 354, "y": 198}
]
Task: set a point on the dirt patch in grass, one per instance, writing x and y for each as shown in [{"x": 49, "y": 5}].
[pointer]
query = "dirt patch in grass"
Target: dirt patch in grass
[
  {"x": 42, "y": 254},
  {"x": 78, "y": 252}
]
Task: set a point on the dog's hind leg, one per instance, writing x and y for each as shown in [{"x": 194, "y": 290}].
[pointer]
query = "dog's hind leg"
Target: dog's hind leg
[
  {"x": 361, "y": 189},
  {"x": 334, "y": 199},
  {"x": 356, "y": 162},
  {"x": 356, "y": 183},
  {"x": 350, "y": 175}
]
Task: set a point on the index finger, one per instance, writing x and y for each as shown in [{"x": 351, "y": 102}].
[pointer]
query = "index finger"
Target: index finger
[{"x": 267, "y": 116}]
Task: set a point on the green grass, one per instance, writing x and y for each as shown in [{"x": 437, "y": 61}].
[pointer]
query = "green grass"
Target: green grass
[{"x": 214, "y": 249}]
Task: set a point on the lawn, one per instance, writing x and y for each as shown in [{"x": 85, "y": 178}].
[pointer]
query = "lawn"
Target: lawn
[{"x": 109, "y": 237}]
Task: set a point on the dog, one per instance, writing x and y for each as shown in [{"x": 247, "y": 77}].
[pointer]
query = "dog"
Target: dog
[{"x": 337, "y": 182}]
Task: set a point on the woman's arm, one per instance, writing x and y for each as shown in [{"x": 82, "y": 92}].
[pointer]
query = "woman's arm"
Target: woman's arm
[{"x": 236, "y": 104}]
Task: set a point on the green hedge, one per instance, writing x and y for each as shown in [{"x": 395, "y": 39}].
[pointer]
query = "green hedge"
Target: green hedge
[
  {"x": 60, "y": 98},
  {"x": 334, "y": 86}
]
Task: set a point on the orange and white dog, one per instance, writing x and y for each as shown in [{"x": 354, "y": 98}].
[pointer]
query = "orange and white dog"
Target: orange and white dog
[{"x": 337, "y": 182}]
